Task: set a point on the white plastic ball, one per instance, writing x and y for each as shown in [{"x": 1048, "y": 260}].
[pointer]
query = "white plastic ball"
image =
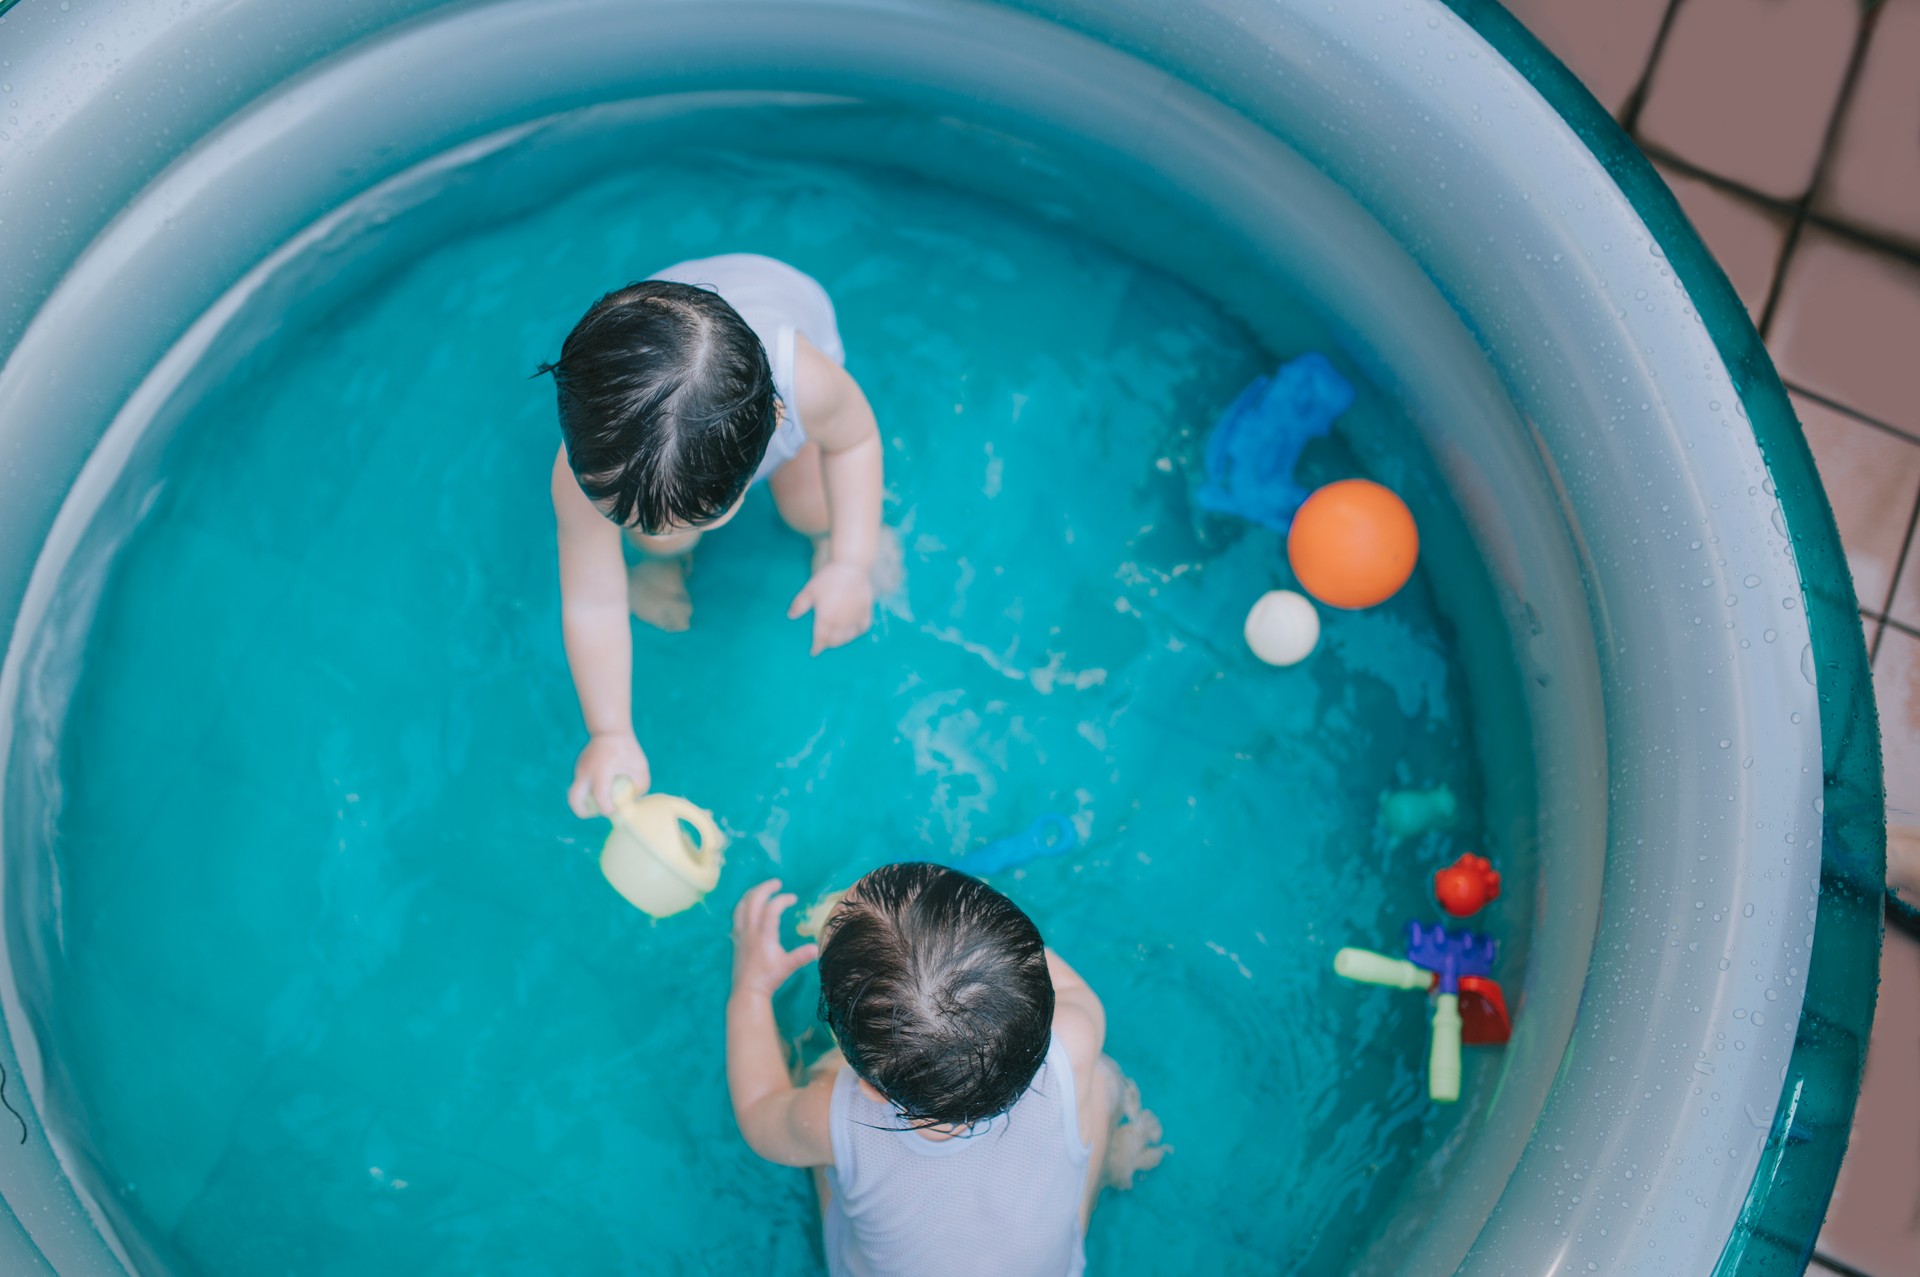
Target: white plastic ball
[{"x": 1283, "y": 627}]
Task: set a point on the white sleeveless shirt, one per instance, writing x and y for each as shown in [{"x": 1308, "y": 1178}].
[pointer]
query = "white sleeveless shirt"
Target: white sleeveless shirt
[
  {"x": 777, "y": 301},
  {"x": 1002, "y": 1201}
]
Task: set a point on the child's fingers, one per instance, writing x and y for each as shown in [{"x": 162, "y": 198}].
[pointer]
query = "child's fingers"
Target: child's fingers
[
  {"x": 802, "y": 603},
  {"x": 767, "y": 919},
  {"x": 750, "y": 899},
  {"x": 577, "y": 797},
  {"x": 754, "y": 902},
  {"x": 838, "y": 635},
  {"x": 800, "y": 957}
]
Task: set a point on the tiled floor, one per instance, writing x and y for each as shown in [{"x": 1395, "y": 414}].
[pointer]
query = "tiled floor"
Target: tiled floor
[{"x": 1789, "y": 130}]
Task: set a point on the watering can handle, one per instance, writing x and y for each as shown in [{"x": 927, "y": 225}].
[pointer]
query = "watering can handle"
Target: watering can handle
[
  {"x": 1369, "y": 967},
  {"x": 711, "y": 839},
  {"x": 1443, "y": 1066}
]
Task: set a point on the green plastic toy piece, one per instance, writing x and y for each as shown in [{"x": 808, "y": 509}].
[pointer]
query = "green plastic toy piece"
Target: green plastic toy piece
[
  {"x": 1369, "y": 967},
  {"x": 1443, "y": 1063}
]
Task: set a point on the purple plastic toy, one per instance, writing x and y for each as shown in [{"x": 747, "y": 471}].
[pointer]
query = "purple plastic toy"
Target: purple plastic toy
[{"x": 1449, "y": 955}]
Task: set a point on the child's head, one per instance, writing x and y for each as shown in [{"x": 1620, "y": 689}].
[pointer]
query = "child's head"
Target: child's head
[
  {"x": 936, "y": 988},
  {"x": 666, "y": 403}
]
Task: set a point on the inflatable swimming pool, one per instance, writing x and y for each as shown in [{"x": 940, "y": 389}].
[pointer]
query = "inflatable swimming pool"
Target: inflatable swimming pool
[{"x": 1643, "y": 576}]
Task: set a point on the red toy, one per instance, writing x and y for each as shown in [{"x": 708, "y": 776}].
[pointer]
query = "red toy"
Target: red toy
[
  {"x": 1483, "y": 1012},
  {"x": 1467, "y": 885}
]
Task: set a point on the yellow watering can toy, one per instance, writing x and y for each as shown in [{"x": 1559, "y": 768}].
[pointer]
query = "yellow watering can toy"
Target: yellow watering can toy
[{"x": 664, "y": 854}]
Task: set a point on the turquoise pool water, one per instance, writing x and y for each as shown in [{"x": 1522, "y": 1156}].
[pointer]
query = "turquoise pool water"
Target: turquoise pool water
[{"x": 338, "y": 978}]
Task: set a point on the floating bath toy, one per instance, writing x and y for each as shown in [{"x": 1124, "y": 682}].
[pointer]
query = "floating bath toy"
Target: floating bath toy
[
  {"x": 1468, "y": 1007},
  {"x": 1353, "y": 544},
  {"x": 1456, "y": 966},
  {"x": 1258, "y": 440},
  {"x": 664, "y": 853},
  {"x": 1282, "y": 628},
  {"x": 1051, "y": 835},
  {"x": 814, "y": 921},
  {"x": 1408, "y": 813},
  {"x": 1467, "y": 885}
]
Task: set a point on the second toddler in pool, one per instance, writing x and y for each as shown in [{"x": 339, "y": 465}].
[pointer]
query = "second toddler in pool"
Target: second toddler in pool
[
  {"x": 676, "y": 394},
  {"x": 968, "y": 1118}
]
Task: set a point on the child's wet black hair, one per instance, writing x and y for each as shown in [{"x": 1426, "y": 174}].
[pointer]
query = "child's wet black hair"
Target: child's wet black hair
[
  {"x": 936, "y": 988},
  {"x": 666, "y": 403}
]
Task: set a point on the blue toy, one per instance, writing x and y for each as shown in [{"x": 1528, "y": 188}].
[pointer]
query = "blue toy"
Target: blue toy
[
  {"x": 1051, "y": 835},
  {"x": 1256, "y": 444}
]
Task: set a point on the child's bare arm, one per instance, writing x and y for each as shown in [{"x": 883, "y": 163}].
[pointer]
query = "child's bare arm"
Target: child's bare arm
[
  {"x": 1078, "y": 1016},
  {"x": 1080, "y": 1022},
  {"x": 593, "y": 610},
  {"x": 781, "y": 1122},
  {"x": 841, "y": 422}
]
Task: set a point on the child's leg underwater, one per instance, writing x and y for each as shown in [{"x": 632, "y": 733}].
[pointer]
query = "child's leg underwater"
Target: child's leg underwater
[
  {"x": 1127, "y": 1143},
  {"x": 657, "y": 584},
  {"x": 800, "y": 494}
]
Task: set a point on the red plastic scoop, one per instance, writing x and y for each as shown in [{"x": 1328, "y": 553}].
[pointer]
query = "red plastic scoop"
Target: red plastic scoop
[{"x": 1483, "y": 1012}]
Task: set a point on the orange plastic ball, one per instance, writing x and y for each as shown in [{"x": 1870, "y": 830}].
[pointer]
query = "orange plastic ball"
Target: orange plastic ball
[{"x": 1353, "y": 544}]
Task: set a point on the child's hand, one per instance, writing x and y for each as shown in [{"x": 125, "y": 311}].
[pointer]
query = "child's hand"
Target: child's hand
[
  {"x": 760, "y": 964},
  {"x": 607, "y": 755},
  {"x": 840, "y": 596}
]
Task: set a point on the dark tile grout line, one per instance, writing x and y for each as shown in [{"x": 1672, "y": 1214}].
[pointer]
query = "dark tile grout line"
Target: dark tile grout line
[
  {"x": 1630, "y": 110},
  {"x": 1893, "y": 583},
  {"x": 1869, "y": 22},
  {"x": 1838, "y": 1268},
  {"x": 1865, "y": 419},
  {"x": 1901, "y": 916},
  {"x": 1791, "y": 241},
  {"x": 1772, "y": 203},
  {"x": 1784, "y": 208},
  {"x": 1865, "y": 238}
]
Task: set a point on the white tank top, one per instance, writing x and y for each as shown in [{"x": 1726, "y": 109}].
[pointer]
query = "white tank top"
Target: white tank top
[
  {"x": 777, "y": 301},
  {"x": 1004, "y": 1200}
]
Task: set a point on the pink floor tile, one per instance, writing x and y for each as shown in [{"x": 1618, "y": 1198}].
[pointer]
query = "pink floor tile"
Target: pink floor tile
[
  {"x": 1606, "y": 45},
  {"x": 1903, "y": 867},
  {"x": 1873, "y": 1223},
  {"x": 1872, "y": 480},
  {"x": 1745, "y": 88},
  {"x": 1873, "y": 179},
  {"x": 1745, "y": 236},
  {"x": 1896, "y": 685},
  {"x": 1848, "y": 327},
  {"x": 1906, "y": 598}
]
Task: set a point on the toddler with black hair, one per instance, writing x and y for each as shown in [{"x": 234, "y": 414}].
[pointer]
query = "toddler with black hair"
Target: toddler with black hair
[
  {"x": 967, "y": 1119},
  {"x": 676, "y": 394}
]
